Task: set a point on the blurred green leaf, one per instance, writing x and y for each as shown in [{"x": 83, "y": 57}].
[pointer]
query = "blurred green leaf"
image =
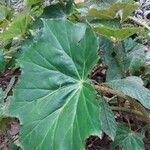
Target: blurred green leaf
[
  {"x": 30, "y": 3},
  {"x": 18, "y": 27},
  {"x": 117, "y": 34},
  {"x": 135, "y": 56},
  {"x": 135, "y": 65},
  {"x": 128, "y": 139},
  {"x": 36, "y": 11},
  {"x": 53, "y": 11},
  {"x": 116, "y": 10},
  {"x": 2, "y": 61},
  {"x": 69, "y": 6},
  {"x": 5, "y": 13},
  {"x": 111, "y": 24}
]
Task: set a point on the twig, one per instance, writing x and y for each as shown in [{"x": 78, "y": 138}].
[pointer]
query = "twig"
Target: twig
[
  {"x": 127, "y": 110},
  {"x": 138, "y": 106}
]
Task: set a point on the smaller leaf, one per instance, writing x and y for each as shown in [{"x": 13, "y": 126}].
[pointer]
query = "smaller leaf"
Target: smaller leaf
[
  {"x": 108, "y": 123},
  {"x": 113, "y": 57},
  {"x": 36, "y": 11},
  {"x": 117, "y": 34},
  {"x": 135, "y": 56},
  {"x": 135, "y": 65},
  {"x": 127, "y": 139},
  {"x": 68, "y": 6},
  {"x": 133, "y": 87},
  {"x": 117, "y": 10},
  {"x": 5, "y": 13},
  {"x": 30, "y": 3},
  {"x": 111, "y": 24},
  {"x": 18, "y": 27},
  {"x": 53, "y": 11}
]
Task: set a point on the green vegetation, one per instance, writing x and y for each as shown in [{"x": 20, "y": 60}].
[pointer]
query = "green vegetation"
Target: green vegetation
[{"x": 84, "y": 71}]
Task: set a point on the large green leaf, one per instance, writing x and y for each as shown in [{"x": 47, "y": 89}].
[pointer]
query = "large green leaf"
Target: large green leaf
[
  {"x": 133, "y": 87},
  {"x": 116, "y": 10},
  {"x": 108, "y": 123},
  {"x": 54, "y": 102},
  {"x": 128, "y": 139}
]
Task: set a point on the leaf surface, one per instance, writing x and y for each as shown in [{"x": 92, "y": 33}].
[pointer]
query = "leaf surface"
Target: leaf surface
[
  {"x": 2, "y": 61},
  {"x": 127, "y": 139},
  {"x": 54, "y": 11},
  {"x": 116, "y": 10},
  {"x": 30, "y": 3},
  {"x": 18, "y": 27},
  {"x": 117, "y": 34},
  {"x": 54, "y": 100},
  {"x": 124, "y": 56},
  {"x": 133, "y": 87},
  {"x": 113, "y": 57},
  {"x": 135, "y": 56},
  {"x": 108, "y": 123},
  {"x": 5, "y": 13}
]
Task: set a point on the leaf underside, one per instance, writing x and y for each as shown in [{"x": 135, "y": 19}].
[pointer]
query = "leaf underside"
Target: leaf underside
[
  {"x": 133, "y": 87},
  {"x": 53, "y": 100},
  {"x": 108, "y": 122}
]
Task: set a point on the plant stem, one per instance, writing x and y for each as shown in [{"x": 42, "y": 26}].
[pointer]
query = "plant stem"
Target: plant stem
[
  {"x": 138, "y": 106},
  {"x": 127, "y": 110}
]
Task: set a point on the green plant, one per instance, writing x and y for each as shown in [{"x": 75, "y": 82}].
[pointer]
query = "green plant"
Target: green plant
[{"x": 57, "y": 99}]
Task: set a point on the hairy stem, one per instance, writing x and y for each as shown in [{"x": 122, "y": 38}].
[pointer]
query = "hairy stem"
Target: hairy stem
[
  {"x": 127, "y": 110},
  {"x": 133, "y": 102}
]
